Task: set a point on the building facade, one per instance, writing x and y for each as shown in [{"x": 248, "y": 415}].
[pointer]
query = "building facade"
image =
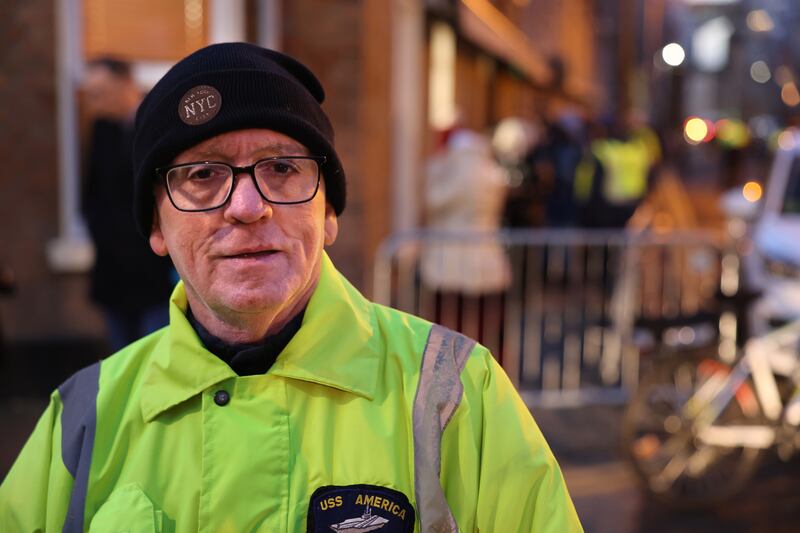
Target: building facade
[{"x": 377, "y": 60}]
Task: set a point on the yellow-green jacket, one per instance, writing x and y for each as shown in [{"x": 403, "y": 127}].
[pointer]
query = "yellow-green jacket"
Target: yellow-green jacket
[{"x": 369, "y": 418}]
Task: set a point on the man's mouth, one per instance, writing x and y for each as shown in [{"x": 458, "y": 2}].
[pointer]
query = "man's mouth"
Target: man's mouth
[{"x": 253, "y": 255}]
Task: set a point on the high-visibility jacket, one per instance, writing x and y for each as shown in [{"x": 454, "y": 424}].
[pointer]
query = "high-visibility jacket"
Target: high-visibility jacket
[
  {"x": 369, "y": 418},
  {"x": 626, "y": 165}
]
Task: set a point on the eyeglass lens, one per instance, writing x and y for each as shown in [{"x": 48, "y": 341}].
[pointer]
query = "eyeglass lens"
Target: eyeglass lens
[{"x": 201, "y": 186}]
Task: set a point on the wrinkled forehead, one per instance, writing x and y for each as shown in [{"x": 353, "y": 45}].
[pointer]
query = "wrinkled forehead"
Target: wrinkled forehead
[{"x": 243, "y": 144}]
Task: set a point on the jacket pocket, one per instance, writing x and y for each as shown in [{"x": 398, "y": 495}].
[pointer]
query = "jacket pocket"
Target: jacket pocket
[{"x": 127, "y": 510}]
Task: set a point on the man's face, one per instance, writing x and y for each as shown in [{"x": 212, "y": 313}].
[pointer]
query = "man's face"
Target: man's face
[
  {"x": 248, "y": 257},
  {"x": 105, "y": 93}
]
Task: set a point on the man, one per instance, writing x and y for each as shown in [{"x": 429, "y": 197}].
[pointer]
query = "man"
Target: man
[
  {"x": 129, "y": 283},
  {"x": 613, "y": 178},
  {"x": 278, "y": 398}
]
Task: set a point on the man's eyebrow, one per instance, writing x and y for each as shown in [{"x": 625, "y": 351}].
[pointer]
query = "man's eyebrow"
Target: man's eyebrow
[
  {"x": 280, "y": 148},
  {"x": 271, "y": 149}
]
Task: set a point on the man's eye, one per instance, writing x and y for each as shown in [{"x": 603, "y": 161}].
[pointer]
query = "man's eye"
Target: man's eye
[
  {"x": 281, "y": 168},
  {"x": 204, "y": 173}
]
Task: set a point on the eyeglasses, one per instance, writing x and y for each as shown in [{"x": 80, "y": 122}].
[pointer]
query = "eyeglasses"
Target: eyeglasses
[{"x": 207, "y": 185}]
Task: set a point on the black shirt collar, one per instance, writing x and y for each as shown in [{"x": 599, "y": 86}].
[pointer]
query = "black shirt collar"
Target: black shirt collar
[{"x": 248, "y": 359}]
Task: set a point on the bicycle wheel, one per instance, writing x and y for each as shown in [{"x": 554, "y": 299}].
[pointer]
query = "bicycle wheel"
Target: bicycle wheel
[{"x": 659, "y": 438}]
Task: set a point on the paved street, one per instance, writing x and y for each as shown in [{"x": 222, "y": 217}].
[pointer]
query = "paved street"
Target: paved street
[{"x": 608, "y": 498}]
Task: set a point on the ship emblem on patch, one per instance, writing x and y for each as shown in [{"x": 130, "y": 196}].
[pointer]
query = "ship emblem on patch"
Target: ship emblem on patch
[
  {"x": 366, "y": 522},
  {"x": 358, "y": 509}
]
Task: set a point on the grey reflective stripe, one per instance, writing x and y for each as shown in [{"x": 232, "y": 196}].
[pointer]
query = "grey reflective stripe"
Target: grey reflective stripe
[
  {"x": 438, "y": 395},
  {"x": 78, "y": 420}
]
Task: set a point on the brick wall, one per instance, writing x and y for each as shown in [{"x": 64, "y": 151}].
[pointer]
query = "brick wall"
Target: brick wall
[
  {"x": 346, "y": 42},
  {"x": 45, "y": 304},
  {"x": 566, "y": 30},
  {"x": 326, "y": 36}
]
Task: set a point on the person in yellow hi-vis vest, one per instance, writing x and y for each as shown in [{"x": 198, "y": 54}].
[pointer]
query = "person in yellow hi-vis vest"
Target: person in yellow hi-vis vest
[
  {"x": 613, "y": 178},
  {"x": 278, "y": 398}
]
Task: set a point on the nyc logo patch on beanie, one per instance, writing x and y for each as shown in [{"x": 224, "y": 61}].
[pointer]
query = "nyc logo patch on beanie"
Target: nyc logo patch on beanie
[{"x": 199, "y": 105}]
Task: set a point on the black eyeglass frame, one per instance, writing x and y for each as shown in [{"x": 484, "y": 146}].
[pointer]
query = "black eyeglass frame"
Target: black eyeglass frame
[{"x": 250, "y": 170}]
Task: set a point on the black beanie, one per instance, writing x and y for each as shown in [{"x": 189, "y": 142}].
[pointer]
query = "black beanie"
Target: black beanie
[{"x": 227, "y": 87}]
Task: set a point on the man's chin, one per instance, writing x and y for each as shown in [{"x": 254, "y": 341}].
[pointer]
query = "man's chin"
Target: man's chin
[
  {"x": 255, "y": 304},
  {"x": 256, "y": 300}
]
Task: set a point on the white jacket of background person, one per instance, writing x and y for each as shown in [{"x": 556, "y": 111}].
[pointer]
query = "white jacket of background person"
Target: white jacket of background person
[{"x": 466, "y": 190}]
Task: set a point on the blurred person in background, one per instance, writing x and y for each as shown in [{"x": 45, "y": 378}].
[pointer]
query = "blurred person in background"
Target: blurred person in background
[
  {"x": 613, "y": 178},
  {"x": 469, "y": 271},
  {"x": 128, "y": 282},
  {"x": 514, "y": 141},
  {"x": 278, "y": 398},
  {"x": 550, "y": 167}
]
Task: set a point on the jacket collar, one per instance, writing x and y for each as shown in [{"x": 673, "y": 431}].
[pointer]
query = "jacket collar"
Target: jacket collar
[{"x": 335, "y": 347}]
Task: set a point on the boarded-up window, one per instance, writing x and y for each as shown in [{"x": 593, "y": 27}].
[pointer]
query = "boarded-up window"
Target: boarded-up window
[{"x": 144, "y": 29}]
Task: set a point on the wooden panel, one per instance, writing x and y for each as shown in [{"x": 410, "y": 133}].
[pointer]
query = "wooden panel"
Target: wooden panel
[
  {"x": 464, "y": 82},
  {"x": 144, "y": 29},
  {"x": 505, "y": 90}
]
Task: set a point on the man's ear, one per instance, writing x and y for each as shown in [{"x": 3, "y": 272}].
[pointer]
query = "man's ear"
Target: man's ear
[
  {"x": 331, "y": 225},
  {"x": 157, "y": 242}
]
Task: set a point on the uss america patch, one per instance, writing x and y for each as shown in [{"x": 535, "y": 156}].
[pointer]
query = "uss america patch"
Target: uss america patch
[{"x": 358, "y": 509}]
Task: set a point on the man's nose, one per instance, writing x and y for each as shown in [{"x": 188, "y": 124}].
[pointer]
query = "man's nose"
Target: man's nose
[{"x": 246, "y": 204}]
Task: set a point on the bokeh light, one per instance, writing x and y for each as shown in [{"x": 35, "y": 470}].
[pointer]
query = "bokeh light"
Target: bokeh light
[
  {"x": 760, "y": 72},
  {"x": 763, "y": 125},
  {"x": 786, "y": 140},
  {"x": 695, "y": 130},
  {"x": 711, "y": 43},
  {"x": 759, "y": 20},
  {"x": 732, "y": 133},
  {"x": 752, "y": 191},
  {"x": 790, "y": 95},
  {"x": 673, "y": 54}
]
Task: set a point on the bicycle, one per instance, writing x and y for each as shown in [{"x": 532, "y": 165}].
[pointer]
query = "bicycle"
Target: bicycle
[
  {"x": 697, "y": 428},
  {"x": 703, "y": 418}
]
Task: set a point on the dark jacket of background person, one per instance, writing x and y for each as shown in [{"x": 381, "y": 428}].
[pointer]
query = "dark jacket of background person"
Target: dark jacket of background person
[
  {"x": 127, "y": 276},
  {"x": 564, "y": 151}
]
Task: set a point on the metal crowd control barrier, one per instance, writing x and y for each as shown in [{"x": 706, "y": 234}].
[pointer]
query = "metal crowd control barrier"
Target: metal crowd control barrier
[{"x": 571, "y": 324}]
